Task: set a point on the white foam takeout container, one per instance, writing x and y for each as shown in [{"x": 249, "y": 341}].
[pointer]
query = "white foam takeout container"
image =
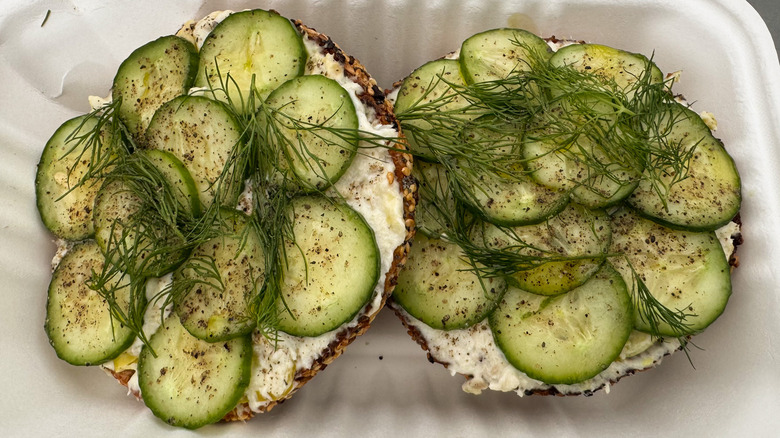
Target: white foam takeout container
[{"x": 384, "y": 384}]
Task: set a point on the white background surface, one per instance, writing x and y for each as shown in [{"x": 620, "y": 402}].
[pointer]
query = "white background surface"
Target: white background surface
[{"x": 383, "y": 385}]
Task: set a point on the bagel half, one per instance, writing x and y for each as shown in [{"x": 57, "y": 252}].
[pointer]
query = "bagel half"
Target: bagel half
[
  {"x": 473, "y": 353},
  {"x": 380, "y": 188}
]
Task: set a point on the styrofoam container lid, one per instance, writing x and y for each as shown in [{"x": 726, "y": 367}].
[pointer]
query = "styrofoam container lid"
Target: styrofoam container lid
[{"x": 384, "y": 385}]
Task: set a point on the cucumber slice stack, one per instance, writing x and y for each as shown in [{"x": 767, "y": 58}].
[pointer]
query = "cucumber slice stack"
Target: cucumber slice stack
[
  {"x": 210, "y": 165},
  {"x": 635, "y": 187}
]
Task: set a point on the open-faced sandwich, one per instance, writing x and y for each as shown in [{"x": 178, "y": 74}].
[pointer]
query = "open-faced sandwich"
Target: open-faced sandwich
[
  {"x": 577, "y": 220},
  {"x": 229, "y": 220}
]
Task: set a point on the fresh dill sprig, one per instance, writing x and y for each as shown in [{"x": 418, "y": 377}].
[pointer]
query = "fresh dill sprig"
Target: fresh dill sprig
[
  {"x": 111, "y": 283},
  {"x": 102, "y": 142},
  {"x": 46, "y": 17},
  {"x": 158, "y": 231},
  {"x": 272, "y": 224},
  {"x": 654, "y": 313},
  {"x": 669, "y": 160},
  {"x": 99, "y": 141},
  {"x": 256, "y": 160},
  {"x": 468, "y": 140},
  {"x": 154, "y": 238}
]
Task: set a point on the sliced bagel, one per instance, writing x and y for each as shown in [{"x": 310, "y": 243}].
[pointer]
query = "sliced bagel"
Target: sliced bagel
[
  {"x": 475, "y": 352},
  {"x": 378, "y": 186}
]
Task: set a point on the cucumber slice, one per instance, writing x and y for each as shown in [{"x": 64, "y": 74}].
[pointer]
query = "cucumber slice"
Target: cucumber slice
[
  {"x": 622, "y": 67},
  {"x": 331, "y": 270},
  {"x": 78, "y": 319},
  {"x": 438, "y": 287},
  {"x": 428, "y": 89},
  {"x": 555, "y": 170},
  {"x": 114, "y": 206},
  {"x": 684, "y": 270},
  {"x": 189, "y": 382},
  {"x": 497, "y": 196},
  {"x": 516, "y": 201},
  {"x": 710, "y": 196},
  {"x": 65, "y": 211},
  {"x": 596, "y": 175},
  {"x": 435, "y": 197},
  {"x": 254, "y": 48},
  {"x": 203, "y": 134},
  {"x": 152, "y": 75},
  {"x": 178, "y": 177},
  {"x": 317, "y": 129},
  {"x": 574, "y": 232},
  {"x": 567, "y": 338},
  {"x": 215, "y": 312},
  {"x": 497, "y": 53},
  {"x": 137, "y": 244},
  {"x": 637, "y": 343}
]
